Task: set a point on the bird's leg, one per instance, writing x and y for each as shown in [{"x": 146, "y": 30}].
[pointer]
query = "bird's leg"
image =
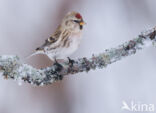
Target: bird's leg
[
  {"x": 58, "y": 68},
  {"x": 71, "y": 62},
  {"x": 55, "y": 61},
  {"x": 58, "y": 65}
]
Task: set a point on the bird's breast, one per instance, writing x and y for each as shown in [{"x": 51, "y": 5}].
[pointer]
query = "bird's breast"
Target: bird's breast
[
  {"x": 66, "y": 47},
  {"x": 74, "y": 42}
]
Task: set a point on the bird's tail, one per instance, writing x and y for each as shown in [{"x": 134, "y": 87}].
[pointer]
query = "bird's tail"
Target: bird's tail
[{"x": 36, "y": 53}]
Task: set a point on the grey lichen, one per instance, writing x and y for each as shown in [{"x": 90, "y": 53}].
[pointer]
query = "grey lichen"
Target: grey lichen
[{"x": 12, "y": 68}]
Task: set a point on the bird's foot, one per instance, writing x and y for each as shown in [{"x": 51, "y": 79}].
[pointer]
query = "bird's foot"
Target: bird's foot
[
  {"x": 71, "y": 62},
  {"x": 58, "y": 68},
  {"x": 58, "y": 65}
]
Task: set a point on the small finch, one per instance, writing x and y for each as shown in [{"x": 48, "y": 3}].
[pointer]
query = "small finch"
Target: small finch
[{"x": 65, "y": 40}]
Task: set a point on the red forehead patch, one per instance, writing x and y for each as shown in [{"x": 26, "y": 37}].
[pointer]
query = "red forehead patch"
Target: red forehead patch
[{"x": 78, "y": 16}]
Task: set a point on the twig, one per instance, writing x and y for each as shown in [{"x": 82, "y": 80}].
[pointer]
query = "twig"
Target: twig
[{"x": 12, "y": 68}]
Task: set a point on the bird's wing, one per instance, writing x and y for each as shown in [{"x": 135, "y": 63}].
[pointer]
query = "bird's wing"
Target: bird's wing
[{"x": 51, "y": 40}]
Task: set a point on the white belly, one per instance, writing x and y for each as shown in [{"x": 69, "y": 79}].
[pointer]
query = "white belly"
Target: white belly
[{"x": 62, "y": 53}]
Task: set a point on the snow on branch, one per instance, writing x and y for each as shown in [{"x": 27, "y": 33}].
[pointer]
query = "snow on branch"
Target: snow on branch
[{"x": 12, "y": 68}]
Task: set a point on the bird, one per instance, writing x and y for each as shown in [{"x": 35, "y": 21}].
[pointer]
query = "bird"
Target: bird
[{"x": 65, "y": 40}]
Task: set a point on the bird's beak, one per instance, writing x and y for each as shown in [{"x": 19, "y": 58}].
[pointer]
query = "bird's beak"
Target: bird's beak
[{"x": 82, "y": 23}]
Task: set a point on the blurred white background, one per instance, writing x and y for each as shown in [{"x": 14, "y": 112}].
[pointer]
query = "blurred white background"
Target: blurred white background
[{"x": 25, "y": 24}]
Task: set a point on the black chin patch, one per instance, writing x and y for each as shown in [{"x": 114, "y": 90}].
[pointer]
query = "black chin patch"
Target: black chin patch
[{"x": 81, "y": 27}]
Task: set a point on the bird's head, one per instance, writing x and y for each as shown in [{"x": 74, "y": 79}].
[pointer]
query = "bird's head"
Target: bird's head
[{"x": 73, "y": 21}]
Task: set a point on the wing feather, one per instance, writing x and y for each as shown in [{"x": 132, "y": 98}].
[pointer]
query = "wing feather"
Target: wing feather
[{"x": 51, "y": 40}]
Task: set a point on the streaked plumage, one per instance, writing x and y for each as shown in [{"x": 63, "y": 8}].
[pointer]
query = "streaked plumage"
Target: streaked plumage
[{"x": 66, "y": 38}]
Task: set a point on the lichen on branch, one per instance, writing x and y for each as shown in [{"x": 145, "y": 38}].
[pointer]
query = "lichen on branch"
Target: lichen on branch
[{"x": 12, "y": 68}]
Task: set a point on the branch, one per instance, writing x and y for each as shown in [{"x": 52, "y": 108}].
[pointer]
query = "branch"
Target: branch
[{"x": 12, "y": 68}]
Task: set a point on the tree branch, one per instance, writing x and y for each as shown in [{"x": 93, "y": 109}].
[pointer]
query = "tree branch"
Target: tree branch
[{"x": 12, "y": 68}]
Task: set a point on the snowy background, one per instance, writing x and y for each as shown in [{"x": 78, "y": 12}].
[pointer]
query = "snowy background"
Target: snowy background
[{"x": 25, "y": 24}]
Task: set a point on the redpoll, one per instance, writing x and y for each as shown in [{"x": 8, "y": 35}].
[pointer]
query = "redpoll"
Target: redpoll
[{"x": 66, "y": 38}]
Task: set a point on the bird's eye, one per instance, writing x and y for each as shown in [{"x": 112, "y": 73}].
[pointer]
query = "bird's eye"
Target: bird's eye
[{"x": 76, "y": 21}]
